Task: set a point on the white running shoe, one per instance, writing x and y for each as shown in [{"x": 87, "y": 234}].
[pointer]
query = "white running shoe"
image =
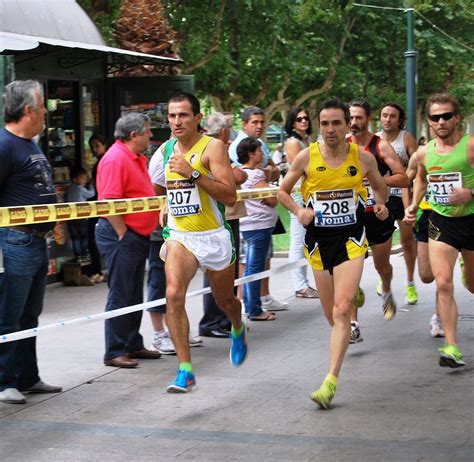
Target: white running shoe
[
  {"x": 163, "y": 344},
  {"x": 270, "y": 304},
  {"x": 356, "y": 336},
  {"x": 435, "y": 327},
  {"x": 195, "y": 341}
]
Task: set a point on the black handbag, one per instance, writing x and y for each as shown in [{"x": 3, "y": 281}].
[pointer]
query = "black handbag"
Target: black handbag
[{"x": 279, "y": 228}]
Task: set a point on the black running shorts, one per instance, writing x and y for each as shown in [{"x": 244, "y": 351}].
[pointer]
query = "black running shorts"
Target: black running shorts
[
  {"x": 378, "y": 231},
  {"x": 395, "y": 205},
  {"x": 458, "y": 232}
]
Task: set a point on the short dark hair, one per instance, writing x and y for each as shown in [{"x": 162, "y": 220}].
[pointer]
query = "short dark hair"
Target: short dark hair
[
  {"x": 401, "y": 113},
  {"x": 183, "y": 96},
  {"x": 245, "y": 147},
  {"x": 363, "y": 103},
  {"x": 76, "y": 172},
  {"x": 97, "y": 137},
  {"x": 19, "y": 94},
  {"x": 443, "y": 98},
  {"x": 336, "y": 103},
  {"x": 291, "y": 119},
  {"x": 250, "y": 111}
]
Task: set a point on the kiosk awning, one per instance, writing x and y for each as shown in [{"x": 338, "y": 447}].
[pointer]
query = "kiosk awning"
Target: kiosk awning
[{"x": 117, "y": 59}]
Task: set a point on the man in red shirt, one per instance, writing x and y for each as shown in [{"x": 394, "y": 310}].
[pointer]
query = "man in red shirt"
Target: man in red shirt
[{"x": 123, "y": 240}]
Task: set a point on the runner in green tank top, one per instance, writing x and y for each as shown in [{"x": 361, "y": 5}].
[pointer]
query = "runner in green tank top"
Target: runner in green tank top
[{"x": 447, "y": 165}]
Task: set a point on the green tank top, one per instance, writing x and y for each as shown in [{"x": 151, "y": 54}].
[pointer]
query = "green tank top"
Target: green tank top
[{"x": 446, "y": 172}]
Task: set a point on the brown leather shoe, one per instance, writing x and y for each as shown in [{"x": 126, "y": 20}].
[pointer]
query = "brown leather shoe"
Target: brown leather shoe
[
  {"x": 144, "y": 354},
  {"x": 121, "y": 361}
]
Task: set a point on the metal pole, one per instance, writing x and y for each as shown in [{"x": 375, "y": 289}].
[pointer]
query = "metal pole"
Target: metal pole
[{"x": 410, "y": 56}]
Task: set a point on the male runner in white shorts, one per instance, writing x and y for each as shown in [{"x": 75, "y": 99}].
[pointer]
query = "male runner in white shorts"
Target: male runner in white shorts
[{"x": 199, "y": 182}]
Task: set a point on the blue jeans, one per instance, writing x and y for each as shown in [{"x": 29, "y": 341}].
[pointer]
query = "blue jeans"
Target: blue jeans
[
  {"x": 258, "y": 243},
  {"x": 125, "y": 263},
  {"x": 79, "y": 231},
  {"x": 156, "y": 277},
  {"x": 22, "y": 288}
]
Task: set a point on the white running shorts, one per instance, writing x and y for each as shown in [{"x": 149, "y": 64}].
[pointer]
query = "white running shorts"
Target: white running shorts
[{"x": 214, "y": 250}]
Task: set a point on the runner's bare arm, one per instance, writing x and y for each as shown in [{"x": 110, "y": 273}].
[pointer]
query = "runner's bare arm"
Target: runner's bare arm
[
  {"x": 464, "y": 195},
  {"x": 419, "y": 188},
  {"x": 371, "y": 172},
  {"x": 398, "y": 178},
  {"x": 410, "y": 143},
  {"x": 297, "y": 170},
  {"x": 222, "y": 186},
  {"x": 410, "y": 172}
]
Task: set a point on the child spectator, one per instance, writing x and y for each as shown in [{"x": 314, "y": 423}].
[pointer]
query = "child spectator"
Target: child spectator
[{"x": 78, "y": 229}]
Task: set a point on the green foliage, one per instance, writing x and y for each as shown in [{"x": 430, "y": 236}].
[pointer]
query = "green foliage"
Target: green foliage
[{"x": 272, "y": 53}]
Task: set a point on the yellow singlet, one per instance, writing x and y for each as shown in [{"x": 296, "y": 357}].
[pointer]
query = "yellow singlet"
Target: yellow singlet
[
  {"x": 191, "y": 209},
  {"x": 326, "y": 185}
]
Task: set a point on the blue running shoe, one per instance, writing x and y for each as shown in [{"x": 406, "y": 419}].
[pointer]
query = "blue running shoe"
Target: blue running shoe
[
  {"x": 239, "y": 348},
  {"x": 184, "y": 382}
]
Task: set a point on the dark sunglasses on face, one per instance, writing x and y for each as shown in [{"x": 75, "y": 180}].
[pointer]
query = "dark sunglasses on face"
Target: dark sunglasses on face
[
  {"x": 301, "y": 119},
  {"x": 437, "y": 117}
]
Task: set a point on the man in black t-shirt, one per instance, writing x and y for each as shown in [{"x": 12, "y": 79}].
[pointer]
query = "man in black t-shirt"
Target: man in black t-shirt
[{"x": 25, "y": 179}]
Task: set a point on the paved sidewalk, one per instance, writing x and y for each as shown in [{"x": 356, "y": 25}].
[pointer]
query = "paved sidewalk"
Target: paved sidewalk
[{"x": 394, "y": 403}]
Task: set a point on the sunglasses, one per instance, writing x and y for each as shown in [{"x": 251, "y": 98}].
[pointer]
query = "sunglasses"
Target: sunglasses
[
  {"x": 302, "y": 119},
  {"x": 437, "y": 117}
]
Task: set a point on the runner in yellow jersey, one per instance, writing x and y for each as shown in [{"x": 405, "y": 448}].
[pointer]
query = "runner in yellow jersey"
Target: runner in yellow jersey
[
  {"x": 446, "y": 164},
  {"x": 199, "y": 181},
  {"x": 335, "y": 242}
]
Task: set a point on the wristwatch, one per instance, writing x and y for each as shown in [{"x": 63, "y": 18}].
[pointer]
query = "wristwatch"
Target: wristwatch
[{"x": 194, "y": 176}]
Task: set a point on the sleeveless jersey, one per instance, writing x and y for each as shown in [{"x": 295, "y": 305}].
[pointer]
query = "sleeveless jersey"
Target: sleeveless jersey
[
  {"x": 446, "y": 172},
  {"x": 373, "y": 148},
  {"x": 337, "y": 195},
  {"x": 190, "y": 208},
  {"x": 398, "y": 144}
]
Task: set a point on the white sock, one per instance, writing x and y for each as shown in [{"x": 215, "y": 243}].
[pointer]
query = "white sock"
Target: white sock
[{"x": 410, "y": 283}]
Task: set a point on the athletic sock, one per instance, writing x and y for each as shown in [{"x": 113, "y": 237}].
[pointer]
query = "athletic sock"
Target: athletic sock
[
  {"x": 265, "y": 298},
  {"x": 410, "y": 283},
  {"x": 331, "y": 379},
  {"x": 188, "y": 367},
  {"x": 237, "y": 332}
]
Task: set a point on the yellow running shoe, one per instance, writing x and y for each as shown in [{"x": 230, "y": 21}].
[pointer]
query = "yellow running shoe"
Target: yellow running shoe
[
  {"x": 324, "y": 395},
  {"x": 359, "y": 298},
  {"x": 411, "y": 297}
]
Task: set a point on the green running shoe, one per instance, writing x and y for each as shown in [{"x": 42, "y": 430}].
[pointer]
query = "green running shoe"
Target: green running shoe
[
  {"x": 359, "y": 298},
  {"x": 324, "y": 395},
  {"x": 450, "y": 356},
  {"x": 411, "y": 297},
  {"x": 378, "y": 289}
]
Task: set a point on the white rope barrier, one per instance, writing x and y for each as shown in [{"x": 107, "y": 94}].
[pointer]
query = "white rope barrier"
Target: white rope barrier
[{"x": 142, "y": 306}]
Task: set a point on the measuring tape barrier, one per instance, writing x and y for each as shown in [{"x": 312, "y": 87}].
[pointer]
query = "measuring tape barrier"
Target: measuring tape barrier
[
  {"x": 31, "y": 214},
  {"x": 142, "y": 306}
]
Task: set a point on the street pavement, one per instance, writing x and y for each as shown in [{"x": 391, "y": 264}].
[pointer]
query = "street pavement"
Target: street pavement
[{"x": 393, "y": 402}]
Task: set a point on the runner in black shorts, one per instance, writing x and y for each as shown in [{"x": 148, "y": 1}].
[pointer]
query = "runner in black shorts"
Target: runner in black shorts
[
  {"x": 446, "y": 163},
  {"x": 379, "y": 233},
  {"x": 335, "y": 242}
]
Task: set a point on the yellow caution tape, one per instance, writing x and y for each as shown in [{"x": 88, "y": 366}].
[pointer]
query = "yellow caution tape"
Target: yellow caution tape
[{"x": 31, "y": 214}]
